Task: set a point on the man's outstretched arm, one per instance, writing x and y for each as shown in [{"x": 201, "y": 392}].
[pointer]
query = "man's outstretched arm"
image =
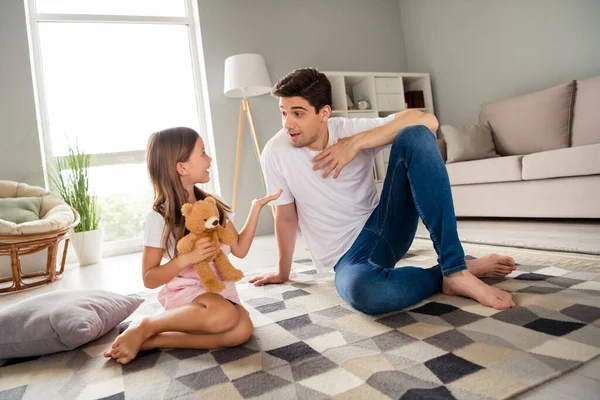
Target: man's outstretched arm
[
  {"x": 385, "y": 134},
  {"x": 340, "y": 154},
  {"x": 286, "y": 230}
]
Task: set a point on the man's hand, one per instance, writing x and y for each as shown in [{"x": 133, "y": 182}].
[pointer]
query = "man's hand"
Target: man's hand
[
  {"x": 267, "y": 279},
  {"x": 336, "y": 157}
]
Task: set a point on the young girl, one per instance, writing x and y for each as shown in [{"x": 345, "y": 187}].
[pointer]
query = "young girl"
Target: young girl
[{"x": 193, "y": 318}]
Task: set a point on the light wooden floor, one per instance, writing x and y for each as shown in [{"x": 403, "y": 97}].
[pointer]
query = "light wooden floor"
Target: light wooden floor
[{"x": 122, "y": 274}]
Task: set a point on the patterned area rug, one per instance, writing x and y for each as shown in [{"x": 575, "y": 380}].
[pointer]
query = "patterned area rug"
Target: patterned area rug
[{"x": 308, "y": 344}]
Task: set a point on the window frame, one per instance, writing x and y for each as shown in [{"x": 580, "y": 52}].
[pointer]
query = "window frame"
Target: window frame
[{"x": 192, "y": 21}]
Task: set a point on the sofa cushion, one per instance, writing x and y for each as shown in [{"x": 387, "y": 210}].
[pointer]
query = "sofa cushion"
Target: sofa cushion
[
  {"x": 466, "y": 143},
  {"x": 500, "y": 169},
  {"x": 441, "y": 143},
  {"x": 586, "y": 113},
  {"x": 574, "y": 161},
  {"x": 531, "y": 123}
]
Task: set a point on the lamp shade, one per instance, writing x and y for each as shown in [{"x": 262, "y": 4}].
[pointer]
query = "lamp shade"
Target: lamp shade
[{"x": 246, "y": 76}]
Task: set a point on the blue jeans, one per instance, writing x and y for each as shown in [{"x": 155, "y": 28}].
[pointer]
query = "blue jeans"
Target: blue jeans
[{"x": 416, "y": 185}]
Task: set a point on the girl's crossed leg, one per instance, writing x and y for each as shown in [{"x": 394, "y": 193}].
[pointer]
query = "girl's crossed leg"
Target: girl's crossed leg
[{"x": 210, "y": 321}]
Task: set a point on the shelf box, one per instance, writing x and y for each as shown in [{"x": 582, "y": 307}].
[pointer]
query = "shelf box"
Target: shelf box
[
  {"x": 390, "y": 102},
  {"x": 388, "y": 85}
]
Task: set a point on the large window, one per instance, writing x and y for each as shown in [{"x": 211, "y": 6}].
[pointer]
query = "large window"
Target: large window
[{"x": 109, "y": 73}]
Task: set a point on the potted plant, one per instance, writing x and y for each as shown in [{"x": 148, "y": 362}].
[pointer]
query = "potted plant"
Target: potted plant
[{"x": 71, "y": 181}]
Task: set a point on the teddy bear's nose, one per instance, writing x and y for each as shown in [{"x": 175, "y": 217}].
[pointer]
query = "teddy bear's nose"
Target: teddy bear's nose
[{"x": 215, "y": 222}]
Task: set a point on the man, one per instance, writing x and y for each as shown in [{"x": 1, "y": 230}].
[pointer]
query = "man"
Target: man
[{"x": 324, "y": 166}]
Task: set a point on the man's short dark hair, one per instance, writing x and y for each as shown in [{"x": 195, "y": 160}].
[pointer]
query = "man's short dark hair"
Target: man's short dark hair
[{"x": 307, "y": 83}]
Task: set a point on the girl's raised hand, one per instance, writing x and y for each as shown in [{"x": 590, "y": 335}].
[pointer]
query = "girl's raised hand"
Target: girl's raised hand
[{"x": 267, "y": 199}]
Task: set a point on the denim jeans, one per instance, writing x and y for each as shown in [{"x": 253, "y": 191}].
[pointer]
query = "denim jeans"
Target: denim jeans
[{"x": 416, "y": 185}]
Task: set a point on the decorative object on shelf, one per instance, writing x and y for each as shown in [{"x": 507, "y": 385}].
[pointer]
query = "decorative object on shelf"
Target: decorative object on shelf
[
  {"x": 414, "y": 99},
  {"x": 351, "y": 105},
  {"x": 246, "y": 75},
  {"x": 74, "y": 188},
  {"x": 364, "y": 105}
]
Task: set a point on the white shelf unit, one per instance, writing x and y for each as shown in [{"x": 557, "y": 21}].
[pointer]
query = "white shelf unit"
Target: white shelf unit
[{"x": 385, "y": 93}]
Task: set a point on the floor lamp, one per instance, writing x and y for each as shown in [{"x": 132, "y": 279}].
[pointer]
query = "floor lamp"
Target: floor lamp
[{"x": 245, "y": 76}]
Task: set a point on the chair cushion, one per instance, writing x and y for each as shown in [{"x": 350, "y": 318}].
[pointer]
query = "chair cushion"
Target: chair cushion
[
  {"x": 586, "y": 115},
  {"x": 466, "y": 143},
  {"x": 500, "y": 169},
  {"x": 20, "y": 209},
  {"x": 61, "y": 320},
  {"x": 531, "y": 123},
  {"x": 574, "y": 161},
  {"x": 17, "y": 189},
  {"x": 54, "y": 213}
]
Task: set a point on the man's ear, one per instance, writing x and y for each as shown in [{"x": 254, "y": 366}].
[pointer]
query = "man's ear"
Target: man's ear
[
  {"x": 325, "y": 112},
  {"x": 181, "y": 170},
  {"x": 186, "y": 209}
]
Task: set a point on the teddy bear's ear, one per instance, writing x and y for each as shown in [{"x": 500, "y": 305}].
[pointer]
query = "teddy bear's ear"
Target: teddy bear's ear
[
  {"x": 186, "y": 209},
  {"x": 211, "y": 200}
]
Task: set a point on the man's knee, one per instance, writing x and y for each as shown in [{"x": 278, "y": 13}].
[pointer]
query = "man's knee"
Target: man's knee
[
  {"x": 367, "y": 295},
  {"x": 416, "y": 137},
  {"x": 359, "y": 294},
  {"x": 414, "y": 134}
]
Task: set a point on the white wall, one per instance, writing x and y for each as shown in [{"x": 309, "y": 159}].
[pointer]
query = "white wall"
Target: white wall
[
  {"x": 361, "y": 35},
  {"x": 348, "y": 35},
  {"x": 480, "y": 51},
  {"x": 20, "y": 157}
]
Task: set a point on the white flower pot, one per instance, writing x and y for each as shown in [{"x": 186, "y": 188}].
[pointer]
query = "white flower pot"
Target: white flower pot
[{"x": 88, "y": 246}]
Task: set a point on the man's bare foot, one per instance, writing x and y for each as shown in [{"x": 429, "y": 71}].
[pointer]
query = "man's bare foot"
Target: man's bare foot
[
  {"x": 491, "y": 266},
  {"x": 465, "y": 284},
  {"x": 127, "y": 345}
]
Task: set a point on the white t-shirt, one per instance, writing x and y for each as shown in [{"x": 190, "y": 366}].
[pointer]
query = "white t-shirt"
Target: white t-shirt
[{"x": 331, "y": 212}]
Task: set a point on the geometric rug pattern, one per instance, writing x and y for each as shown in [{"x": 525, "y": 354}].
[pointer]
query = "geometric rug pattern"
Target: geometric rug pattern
[{"x": 308, "y": 344}]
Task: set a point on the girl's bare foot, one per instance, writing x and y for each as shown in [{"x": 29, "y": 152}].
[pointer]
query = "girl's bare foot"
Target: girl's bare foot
[
  {"x": 126, "y": 346},
  {"x": 491, "y": 266},
  {"x": 465, "y": 284}
]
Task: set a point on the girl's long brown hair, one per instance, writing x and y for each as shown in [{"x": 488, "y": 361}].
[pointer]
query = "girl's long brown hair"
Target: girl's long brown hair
[{"x": 165, "y": 149}]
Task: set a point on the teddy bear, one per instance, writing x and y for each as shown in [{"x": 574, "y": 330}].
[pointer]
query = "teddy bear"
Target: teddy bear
[{"x": 202, "y": 220}]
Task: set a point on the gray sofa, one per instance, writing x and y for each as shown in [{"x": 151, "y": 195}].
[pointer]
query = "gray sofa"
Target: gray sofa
[{"x": 549, "y": 143}]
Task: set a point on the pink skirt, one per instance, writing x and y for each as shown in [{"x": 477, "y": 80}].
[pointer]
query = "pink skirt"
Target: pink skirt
[{"x": 186, "y": 286}]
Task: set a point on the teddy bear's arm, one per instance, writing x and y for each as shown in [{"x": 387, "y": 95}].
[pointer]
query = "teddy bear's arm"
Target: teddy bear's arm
[
  {"x": 226, "y": 236},
  {"x": 186, "y": 243}
]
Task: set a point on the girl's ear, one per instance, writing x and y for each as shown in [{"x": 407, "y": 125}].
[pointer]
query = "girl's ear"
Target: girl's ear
[{"x": 181, "y": 170}]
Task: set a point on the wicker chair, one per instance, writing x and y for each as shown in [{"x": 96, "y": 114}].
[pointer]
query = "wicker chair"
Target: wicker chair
[{"x": 17, "y": 240}]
